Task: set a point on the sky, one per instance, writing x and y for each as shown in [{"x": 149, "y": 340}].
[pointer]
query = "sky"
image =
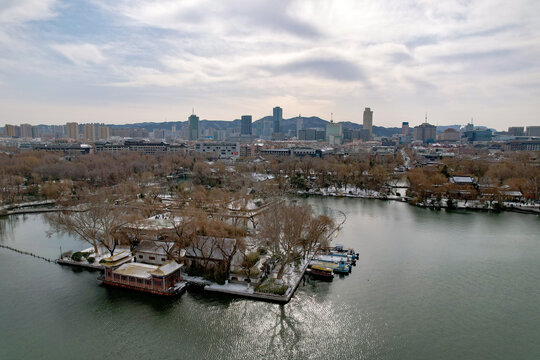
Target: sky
[{"x": 144, "y": 60}]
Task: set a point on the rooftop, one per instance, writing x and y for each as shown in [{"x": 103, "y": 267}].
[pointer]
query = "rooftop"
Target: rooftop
[{"x": 139, "y": 270}]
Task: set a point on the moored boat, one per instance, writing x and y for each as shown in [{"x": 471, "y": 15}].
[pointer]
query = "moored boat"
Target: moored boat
[{"x": 322, "y": 272}]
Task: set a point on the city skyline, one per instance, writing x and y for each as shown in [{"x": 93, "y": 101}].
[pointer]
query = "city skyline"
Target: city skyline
[{"x": 130, "y": 62}]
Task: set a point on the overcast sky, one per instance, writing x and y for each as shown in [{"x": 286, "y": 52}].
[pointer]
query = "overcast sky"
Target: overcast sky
[{"x": 119, "y": 61}]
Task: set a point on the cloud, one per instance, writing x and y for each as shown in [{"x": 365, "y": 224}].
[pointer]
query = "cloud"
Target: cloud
[
  {"x": 401, "y": 57},
  {"x": 20, "y": 11},
  {"x": 80, "y": 54}
]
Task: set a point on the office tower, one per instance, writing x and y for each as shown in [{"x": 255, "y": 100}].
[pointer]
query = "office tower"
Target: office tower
[
  {"x": 405, "y": 128},
  {"x": 246, "y": 122},
  {"x": 72, "y": 130},
  {"x": 299, "y": 126},
  {"x": 26, "y": 131},
  {"x": 277, "y": 118},
  {"x": 193, "y": 127},
  {"x": 368, "y": 121},
  {"x": 89, "y": 132},
  {"x": 334, "y": 133}
]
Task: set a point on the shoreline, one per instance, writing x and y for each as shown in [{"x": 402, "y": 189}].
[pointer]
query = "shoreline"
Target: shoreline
[{"x": 470, "y": 205}]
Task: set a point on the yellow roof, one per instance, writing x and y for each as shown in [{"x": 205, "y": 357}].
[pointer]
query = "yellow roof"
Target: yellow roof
[{"x": 166, "y": 268}]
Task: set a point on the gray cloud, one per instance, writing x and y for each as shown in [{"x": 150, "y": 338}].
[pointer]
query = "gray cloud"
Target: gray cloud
[{"x": 336, "y": 69}]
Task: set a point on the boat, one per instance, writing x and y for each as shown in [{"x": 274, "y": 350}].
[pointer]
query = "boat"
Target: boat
[
  {"x": 322, "y": 272},
  {"x": 333, "y": 259},
  {"x": 340, "y": 268}
]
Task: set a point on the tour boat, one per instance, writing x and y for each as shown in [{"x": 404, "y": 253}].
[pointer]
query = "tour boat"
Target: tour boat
[{"x": 321, "y": 271}]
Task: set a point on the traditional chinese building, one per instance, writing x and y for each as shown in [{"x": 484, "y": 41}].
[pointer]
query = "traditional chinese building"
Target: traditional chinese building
[{"x": 122, "y": 272}]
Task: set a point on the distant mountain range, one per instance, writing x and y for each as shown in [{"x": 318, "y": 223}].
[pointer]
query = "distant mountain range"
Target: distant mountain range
[{"x": 286, "y": 125}]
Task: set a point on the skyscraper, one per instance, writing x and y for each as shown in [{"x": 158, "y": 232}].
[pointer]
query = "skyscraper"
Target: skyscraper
[
  {"x": 277, "y": 118},
  {"x": 299, "y": 126},
  {"x": 267, "y": 128},
  {"x": 246, "y": 125},
  {"x": 193, "y": 127},
  {"x": 405, "y": 128},
  {"x": 72, "y": 130},
  {"x": 368, "y": 121}
]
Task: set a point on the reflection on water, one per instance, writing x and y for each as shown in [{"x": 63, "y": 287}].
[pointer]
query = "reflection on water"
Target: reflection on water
[{"x": 428, "y": 284}]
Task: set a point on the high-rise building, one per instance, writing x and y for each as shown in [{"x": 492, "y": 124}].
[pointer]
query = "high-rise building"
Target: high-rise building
[
  {"x": 516, "y": 131},
  {"x": 267, "y": 128},
  {"x": 334, "y": 133},
  {"x": 104, "y": 132},
  {"x": 277, "y": 119},
  {"x": 72, "y": 130},
  {"x": 425, "y": 132},
  {"x": 533, "y": 130},
  {"x": 193, "y": 127},
  {"x": 11, "y": 130},
  {"x": 405, "y": 128},
  {"x": 26, "y": 131},
  {"x": 89, "y": 132},
  {"x": 299, "y": 126},
  {"x": 246, "y": 122},
  {"x": 35, "y": 132},
  {"x": 368, "y": 121}
]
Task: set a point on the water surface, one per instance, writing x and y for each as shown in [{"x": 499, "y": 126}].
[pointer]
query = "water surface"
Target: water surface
[{"x": 428, "y": 285}]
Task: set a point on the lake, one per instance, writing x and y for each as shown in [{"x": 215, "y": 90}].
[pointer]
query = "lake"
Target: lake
[{"x": 428, "y": 285}]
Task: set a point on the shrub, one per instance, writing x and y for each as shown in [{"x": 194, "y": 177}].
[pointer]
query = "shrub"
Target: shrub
[
  {"x": 91, "y": 259},
  {"x": 77, "y": 256},
  {"x": 262, "y": 251},
  {"x": 271, "y": 288}
]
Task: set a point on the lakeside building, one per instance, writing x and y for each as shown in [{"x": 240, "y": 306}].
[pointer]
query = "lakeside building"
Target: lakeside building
[
  {"x": 152, "y": 252},
  {"x": 120, "y": 271}
]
